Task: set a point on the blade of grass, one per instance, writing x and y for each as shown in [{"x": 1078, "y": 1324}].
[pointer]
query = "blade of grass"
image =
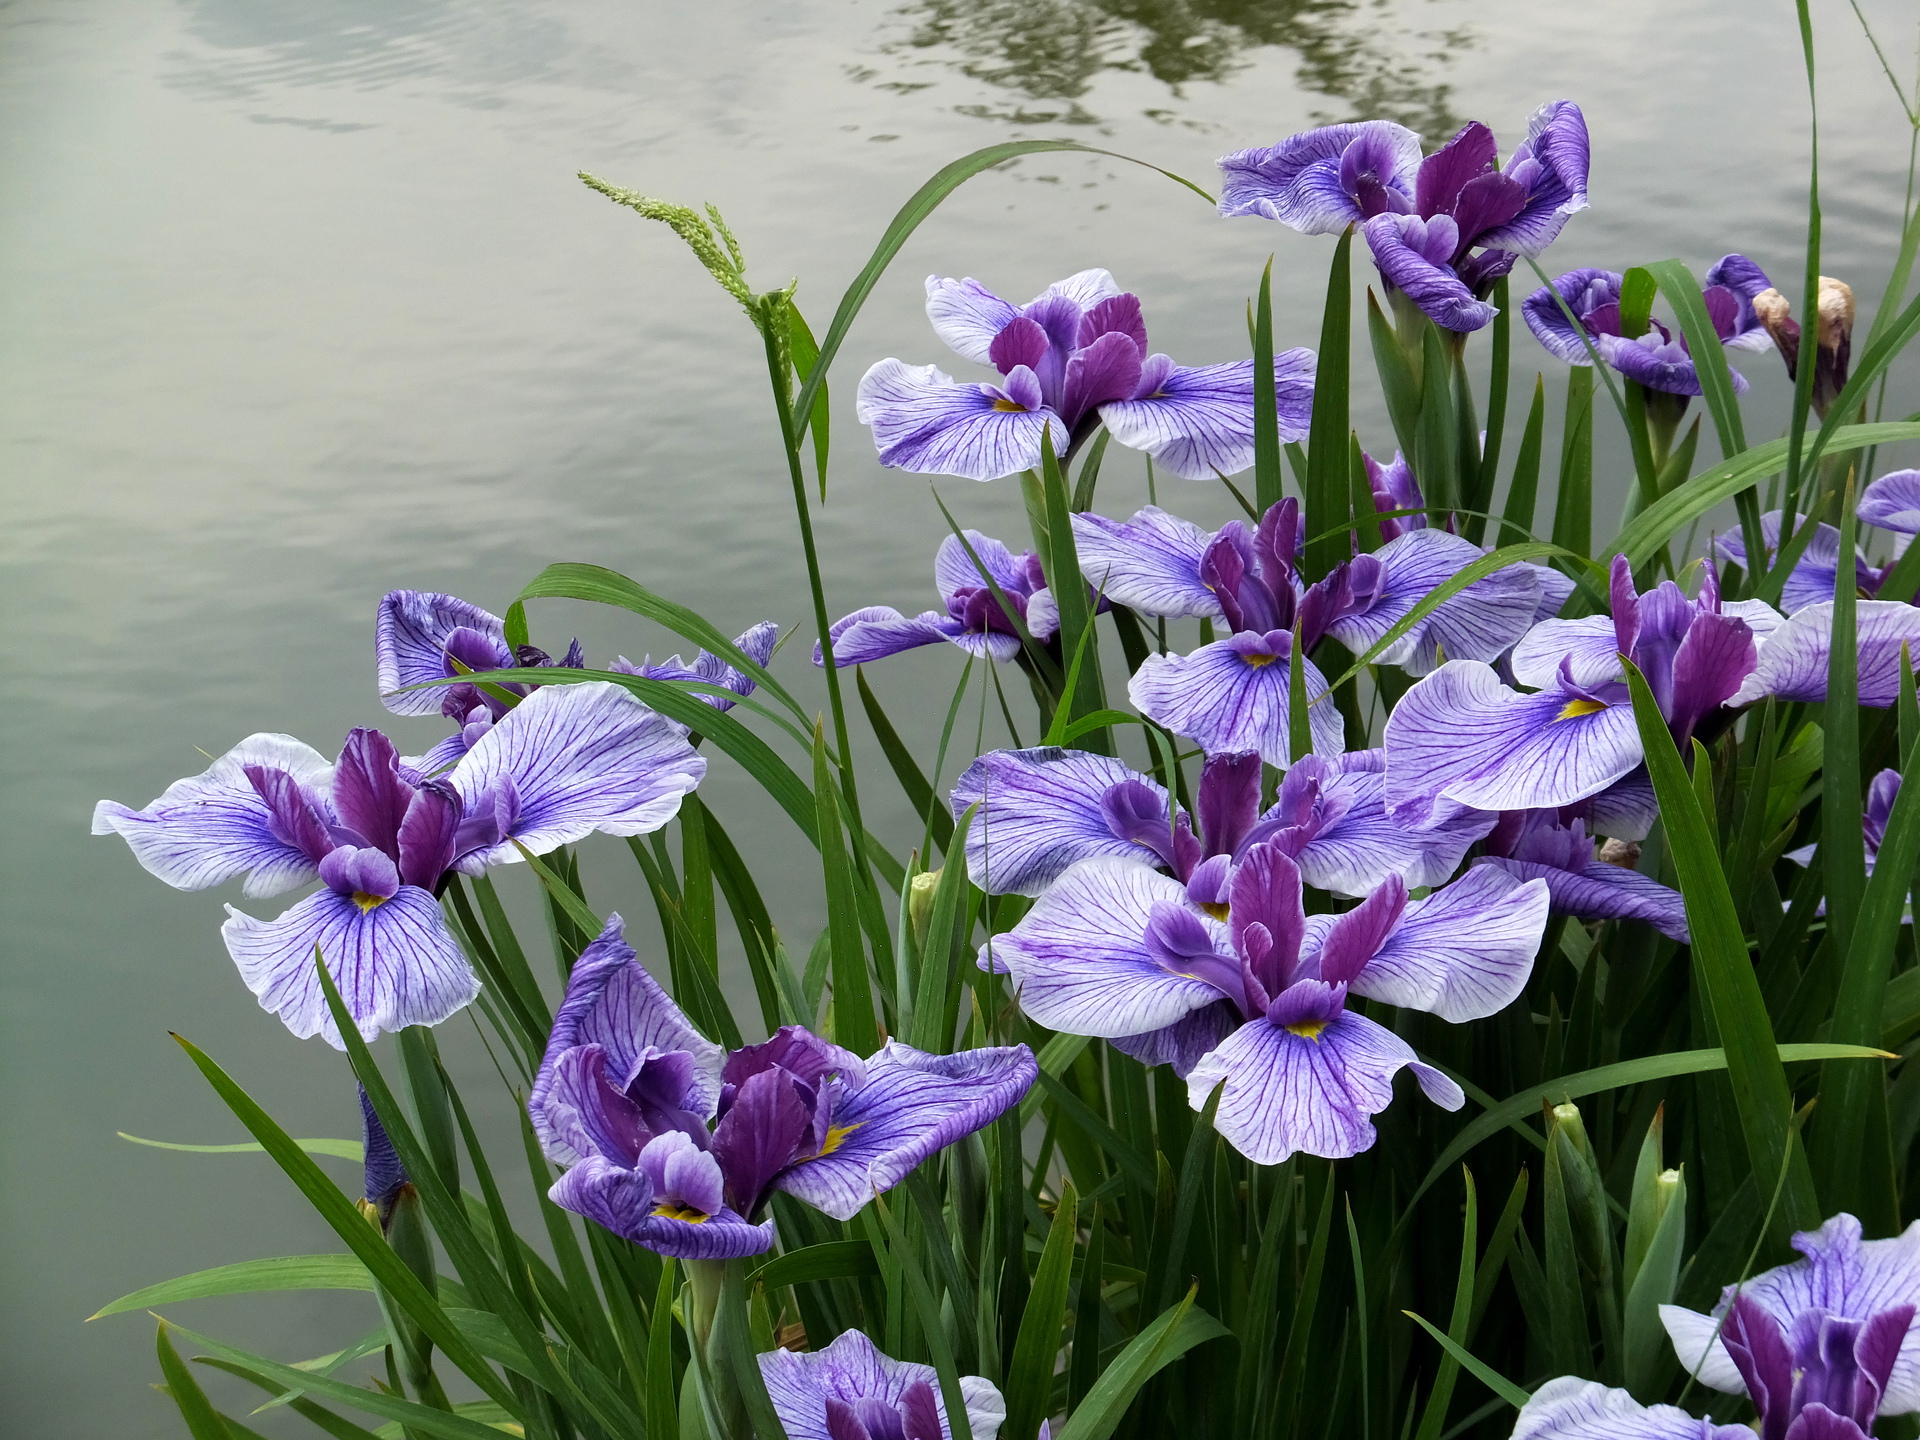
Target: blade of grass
[{"x": 1326, "y": 488}]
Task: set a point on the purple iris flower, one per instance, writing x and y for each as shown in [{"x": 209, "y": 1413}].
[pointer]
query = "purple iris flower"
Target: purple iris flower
[
  {"x": 1835, "y": 1328},
  {"x": 1658, "y": 359},
  {"x": 1812, "y": 578},
  {"x": 1539, "y": 845},
  {"x": 1461, "y": 736},
  {"x": 850, "y": 1391},
  {"x": 1046, "y": 809},
  {"x": 419, "y": 634},
  {"x": 975, "y": 619},
  {"x": 1882, "y": 791},
  {"x": 1073, "y": 357},
  {"x": 628, "y": 1087},
  {"x": 1442, "y": 229},
  {"x": 564, "y": 762},
  {"x": 1240, "y": 988}
]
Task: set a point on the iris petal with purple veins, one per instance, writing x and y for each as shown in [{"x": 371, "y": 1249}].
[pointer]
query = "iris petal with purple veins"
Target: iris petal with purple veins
[
  {"x": 1232, "y": 695},
  {"x": 852, "y": 1373},
  {"x": 411, "y": 636},
  {"x": 1072, "y": 357},
  {"x": 1118, "y": 951},
  {"x": 976, "y": 619},
  {"x": 1866, "y": 1286},
  {"x": 628, "y": 1088},
  {"x": 756, "y": 644},
  {"x": 1570, "y": 1408},
  {"x": 1536, "y": 846},
  {"x": 1443, "y": 229},
  {"x": 1794, "y": 660},
  {"x": 1481, "y": 622},
  {"x": 1893, "y": 502}
]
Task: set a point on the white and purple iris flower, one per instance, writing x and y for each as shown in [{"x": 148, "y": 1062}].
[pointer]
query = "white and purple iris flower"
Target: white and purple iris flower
[
  {"x": 565, "y": 761},
  {"x": 419, "y": 635},
  {"x": 1230, "y": 695},
  {"x": 1659, "y": 359},
  {"x": 1822, "y": 1347},
  {"x": 975, "y": 619},
  {"x": 1539, "y": 845},
  {"x": 628, "y": 1089},
  {"x": 1247, "y": 993},
  {"x": 850, "y": 1391},
  {"x": 1834, "y": 1328},
  {"x": 1045, "y": 810},
  {"x": 1462, "y": 737},
  {"x": 1072, "y": 358},
  {"x": 1442, "y": 229}
]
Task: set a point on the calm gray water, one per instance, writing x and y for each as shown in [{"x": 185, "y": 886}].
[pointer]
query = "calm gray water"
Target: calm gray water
[{"x": 302, "y": 302}]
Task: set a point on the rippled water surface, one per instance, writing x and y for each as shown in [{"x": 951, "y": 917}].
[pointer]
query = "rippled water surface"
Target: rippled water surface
[{"x": 302, "y": 302}]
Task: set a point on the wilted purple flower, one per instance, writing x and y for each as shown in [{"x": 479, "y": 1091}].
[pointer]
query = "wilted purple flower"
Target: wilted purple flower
[
  {"x": 1659, "y": 359},
  {"x": 628, "y": 1087},
  {"x": 1442, "y": 229},
  {"x": 1812, "y": 577},
  {"x": 566, "y": 761},
  {"x": 1230, "y": 695},
  {"x": 1046, "y": 809},
  {"x": 420, "y": 634},
  {"x": 1835, "y": 1328},
  {"x": 1073, "y": 357},
  {"x": 1238, "y": 987},
  {"x": 850, "y": 1391},
  {"x": 1833, "y": 341},
  {"x": 1538, "y": 845},
  {"x": 976, "y": 620},
  {"x": 1462, "y": 736}
]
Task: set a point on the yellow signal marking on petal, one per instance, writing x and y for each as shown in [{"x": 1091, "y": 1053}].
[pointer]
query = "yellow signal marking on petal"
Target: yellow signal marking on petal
[
  {"x": 368, "y": 903},
  {"x": 1256, "y": 661},
  {"x": 1307, "y": 1029},
  {"x": 1216, "y": 908},
  {"x": 1574, "y": 709},
  {"x": 1009, "y": 407},
  {"x": 681, "y": 1212},
  {"x": 836, "y": 1134}
]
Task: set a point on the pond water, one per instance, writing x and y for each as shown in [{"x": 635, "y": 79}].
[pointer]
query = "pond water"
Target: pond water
[{"x": 304, "y": 302}]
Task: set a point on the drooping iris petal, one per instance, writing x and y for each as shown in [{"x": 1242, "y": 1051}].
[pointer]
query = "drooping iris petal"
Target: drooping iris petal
[
  {"x": 1199, "y": 421},
  {"x": 1400, "y": 249},
  {"x": 623, "y": 1201},
  {"x": 1357, "y": 851},
  {"x": 1570, "y": 1408},
  {"x": 1598, "y": 891},
  {"x": 580, "y": 758},
  {"x": 1183, "y": 1043},
  {"x": 852, "y": 1369},
  {"x": 1299, "y": 182},
  {"x": 756, "y": 644},
  {"x": 878, "y": 631},
  {"x": 1793, "y": 661},
  {"x": 1841, "y": 1274},
  {"x": 1584, "y": 291},
  {"x": 1150, "y": 563},
  {"x": 912, "y": 1105},
  {"x": 1232, "y": 695},
  {"x": 410, "y": 645},
  {"x": 394, "y": 963},
  {"x": 927, "y": 422},
  {"x": 1893, "y": 502},
  {"x": 1658, "y": 363},
  {"x": 1461, "y": 735},
  {"x": 1480, "y": 623},
  {"x": 611, "y": 1001},
  {"x": 1287, "y": 1093},
  {"x": 1040, "y": 813},
  {"x": 1557, "y": 144},
  {"x": 1462, "y": 953},
  {"x": 1079, "y": 960},
  {"x": 215, "y": 825}
]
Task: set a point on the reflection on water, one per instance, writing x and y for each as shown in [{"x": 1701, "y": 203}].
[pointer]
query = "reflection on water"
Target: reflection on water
[{"x": 1360, "y": 54}]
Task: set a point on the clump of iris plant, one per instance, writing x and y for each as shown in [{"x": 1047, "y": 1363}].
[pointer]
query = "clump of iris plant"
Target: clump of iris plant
[{"x": 1073, "y": 358}]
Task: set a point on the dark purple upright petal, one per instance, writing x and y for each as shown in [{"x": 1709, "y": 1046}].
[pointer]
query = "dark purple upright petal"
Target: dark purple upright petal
[
  {"x": 1115, "y": 315},
  {"x": 1759, "y": 1348},
  {"x": 1139, "y": 814},
  {"x": 1023, "y": 342},
  {"x": 1224, "y": 568},
  {"x": 1267, "y": 893},
  {"x": 1108, "y": 369},
  {"x": 1356, "y": 935},
  {"x": 1708, "y": 669},
  {"x": 383, "y": 1174},
  {"x": 921, "y": 1414},
  {"x": 429, "y": 834},
  {"x": 1743, "y": 279},
  {"x": 1723, "y": 309},
  {"x": 757, "y": 1138},
  {"x": 800, "y": 1053},
  {"x": 368, "y": 794},
  {"x": 1471, "y": 152},
  {"x": 1228, "y": 800},
  {"x": 293, "y": 817},
  {"x": 1486, "y": 203}
]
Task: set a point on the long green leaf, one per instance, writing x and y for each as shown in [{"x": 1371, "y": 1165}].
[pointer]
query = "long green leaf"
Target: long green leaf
[
  {"x": 248, "y": 1277},
  {"x": 1164, "y": 1340},
  {"x": 1086, "y": 693},
  {"x": 1523, "y": 490},
  {"x": 338, "y": 1149},
  {"x": 1481, "y": 1371},
  {"x": 1266, "y": 410},
  {"x": 853, "y": 1019},
  {"x": 1683, "y": 293},
  {"x": 1326, "y": 506},
  {"x": 1030, "y": 1377},
  {"x": 203, "y": 1421}
]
